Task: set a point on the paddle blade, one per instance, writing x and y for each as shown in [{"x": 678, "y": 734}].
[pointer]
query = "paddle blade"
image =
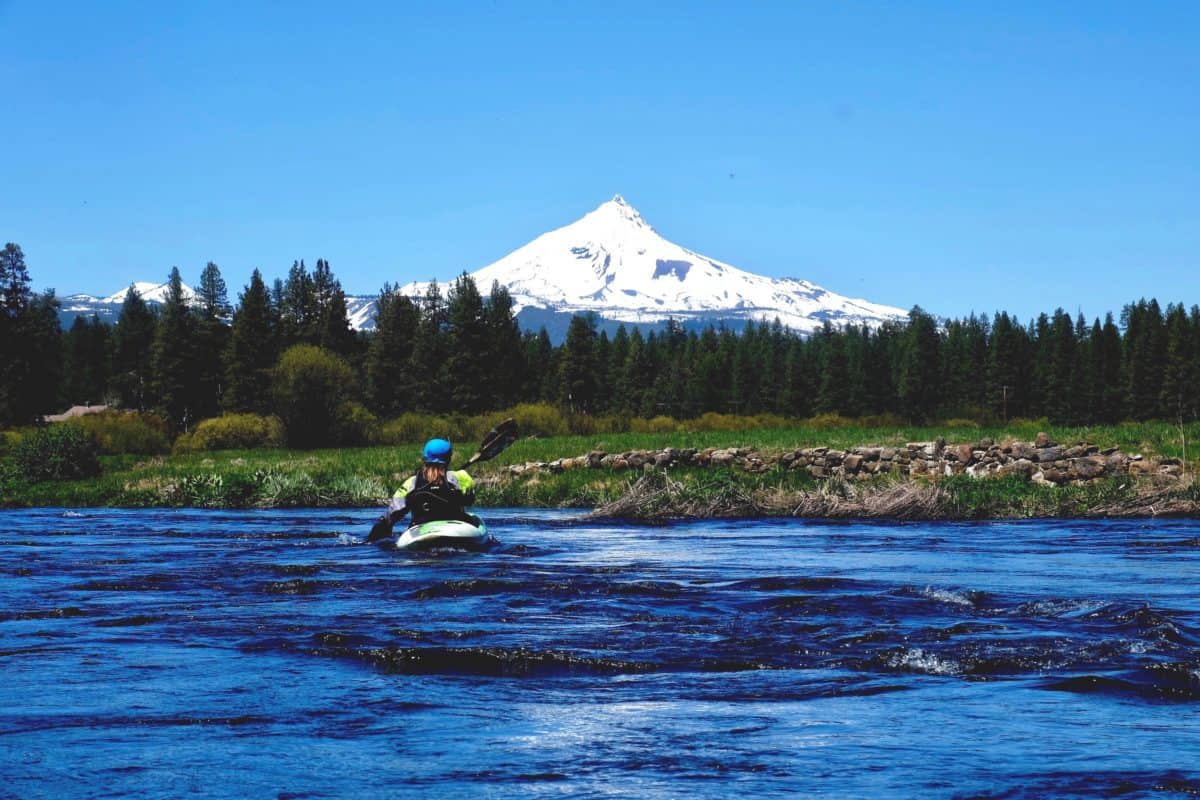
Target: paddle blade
[
  {"x": 495, "y": 442},
  {"x": 382, "y": 529}
]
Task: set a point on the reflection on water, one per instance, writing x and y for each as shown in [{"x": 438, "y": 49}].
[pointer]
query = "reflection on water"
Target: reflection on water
[{"x": 232, "y": 654}]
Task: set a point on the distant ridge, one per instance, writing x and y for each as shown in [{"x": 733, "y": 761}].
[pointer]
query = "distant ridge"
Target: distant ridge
[{"x": 613, "y": 264}]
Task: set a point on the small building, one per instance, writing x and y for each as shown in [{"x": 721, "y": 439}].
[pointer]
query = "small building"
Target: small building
[{"x": 76, "y": 411}]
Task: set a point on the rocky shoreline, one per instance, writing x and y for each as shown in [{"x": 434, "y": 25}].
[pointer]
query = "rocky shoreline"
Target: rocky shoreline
[{"x": 1041, "y": 461}]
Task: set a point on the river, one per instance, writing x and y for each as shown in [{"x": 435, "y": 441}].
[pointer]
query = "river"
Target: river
[{"x": 164, "y": 653}]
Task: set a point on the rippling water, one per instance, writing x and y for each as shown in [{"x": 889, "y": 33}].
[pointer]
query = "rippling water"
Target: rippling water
[{"x": 268, "y": 654}]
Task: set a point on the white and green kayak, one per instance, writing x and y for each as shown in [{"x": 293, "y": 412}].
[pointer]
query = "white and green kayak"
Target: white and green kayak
[{"x": 444, "y": 533}]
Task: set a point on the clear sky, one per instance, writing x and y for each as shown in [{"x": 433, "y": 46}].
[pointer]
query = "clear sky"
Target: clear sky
[{"x": 963, "y": 156}]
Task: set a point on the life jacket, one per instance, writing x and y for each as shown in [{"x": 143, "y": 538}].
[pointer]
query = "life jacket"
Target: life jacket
[{"x": 433, "y": 501}]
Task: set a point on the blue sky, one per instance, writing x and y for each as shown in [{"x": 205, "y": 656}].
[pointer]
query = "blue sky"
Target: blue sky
[{"x": 963, "y": 156}]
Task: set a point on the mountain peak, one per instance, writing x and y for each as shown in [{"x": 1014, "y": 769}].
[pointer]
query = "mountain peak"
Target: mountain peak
[
  {"x": 619, "y": 209},
  {"x": 613, "y": 263}
]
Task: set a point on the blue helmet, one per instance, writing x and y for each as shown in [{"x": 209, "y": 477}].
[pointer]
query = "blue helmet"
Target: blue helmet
[{"x": 437, "y": 451}]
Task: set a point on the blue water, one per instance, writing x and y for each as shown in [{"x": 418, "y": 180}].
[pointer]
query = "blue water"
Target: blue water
[{"x": 268, "y": 654}]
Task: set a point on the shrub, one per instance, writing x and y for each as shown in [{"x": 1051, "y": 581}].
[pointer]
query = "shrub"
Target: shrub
[
  {"x": 310, "y": 385},
  {"x": 659, "y": 424},
  {"x": 119, "y": 432},
  {"x": 8, "y": 441},
  {"x": 588, "y": 425},
  {"x": 712, "y": 421},
  {"x": 356, "y": 425},
  {"x": 769, "y": 421},
  {"x": 825, "y": 422},
  {"x": 59, "y": 452},
  {"x": 407, "y": 428},
  {"x": 412, "y": 427},
  {"x": 233, "y": 432},
  {"x": 533, "y": 419}
]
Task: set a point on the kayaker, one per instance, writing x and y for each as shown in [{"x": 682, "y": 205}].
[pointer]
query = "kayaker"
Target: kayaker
[{"x": 436, "y": 492}]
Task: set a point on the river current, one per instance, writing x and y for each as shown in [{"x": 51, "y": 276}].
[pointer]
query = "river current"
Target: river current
[{"x": 269, "y": 654}]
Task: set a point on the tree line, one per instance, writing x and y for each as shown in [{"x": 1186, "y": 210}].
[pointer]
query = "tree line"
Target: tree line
[{"x": 462, "y": 351}]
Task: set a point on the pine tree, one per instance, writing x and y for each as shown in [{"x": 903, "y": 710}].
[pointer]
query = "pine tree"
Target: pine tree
[
  {"x": 466, "y": 361},
  {"x": 427, "y": 362},
  {"x": 1145, "y": 355},
  {"x": 30, "y": 343},
  {"x": 174, "y": 357},
  {"x": 14, "y": 280},
  {"x": 297, "y": 307},
  {"x": 505, "y": 364},
  {"x": 252, "y": 351},
  {"x": 390, "y": 385},
  {"x": 918, "y": 383},
  {"x": 834, "y": 387},
  {"x": 332, "y": 322},
  {"x": 577, "y": 372},
  {"x": 1058, "y": 355},
  {"x": 541, "y": 367},
  {"x": 211, "y": 341},
  {"x": 85, "y": 362},
  {"x": 1008, "y": 388},
  {"x": 132, "y": 348},
  {"x": 1178, "y": 395},
  {"x": 637, "y": 376},
  {"x": 1108, "y": 371}
]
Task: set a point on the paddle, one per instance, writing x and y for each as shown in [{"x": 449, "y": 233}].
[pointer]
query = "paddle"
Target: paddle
[{"x": 497, "y": 439}]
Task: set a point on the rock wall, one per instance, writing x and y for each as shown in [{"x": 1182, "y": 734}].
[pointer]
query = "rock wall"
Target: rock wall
[{"x": 1042, "y": 461}]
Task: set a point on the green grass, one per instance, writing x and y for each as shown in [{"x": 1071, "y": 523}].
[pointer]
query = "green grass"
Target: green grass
[{"x": 366, "y": 476}]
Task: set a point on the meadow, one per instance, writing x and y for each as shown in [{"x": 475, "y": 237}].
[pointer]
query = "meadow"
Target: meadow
[{"x": 366, "y": 476}]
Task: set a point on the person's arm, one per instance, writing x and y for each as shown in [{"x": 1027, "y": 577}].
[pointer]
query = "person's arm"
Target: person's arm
[
  {"x": 397, "y": 508},
  {"x": 466, "y": 485}
]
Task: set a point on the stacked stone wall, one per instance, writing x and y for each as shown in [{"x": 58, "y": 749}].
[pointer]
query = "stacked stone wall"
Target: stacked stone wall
[{"x": 1041, "y": 461}]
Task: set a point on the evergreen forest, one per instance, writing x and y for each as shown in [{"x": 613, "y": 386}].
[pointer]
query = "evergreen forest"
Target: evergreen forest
[{"x": 459, "y": 350}]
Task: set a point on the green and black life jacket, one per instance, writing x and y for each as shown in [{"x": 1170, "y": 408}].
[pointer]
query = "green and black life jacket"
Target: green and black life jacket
[{"x": 443, "y": 500}]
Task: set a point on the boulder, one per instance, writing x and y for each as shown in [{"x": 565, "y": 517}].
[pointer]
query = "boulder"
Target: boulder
[
  {"x": 1020, "y": 466},
  {"x": 1089, "y": 467},
  {"x": 852, "y": 462},
  {"x": 723, "y": 458},
  {"x": 1054, "y": 475},
  {"x": 1140, "y": 466},
  {"x": 1023, "y": 450},
  {"x": 963, "y": 453},
  {"x": 1046, "y": 455},
  {"x": 1043, "y": 440}
]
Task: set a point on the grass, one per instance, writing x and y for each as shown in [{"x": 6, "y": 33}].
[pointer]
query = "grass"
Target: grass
[{"x": 366, "y": 476}]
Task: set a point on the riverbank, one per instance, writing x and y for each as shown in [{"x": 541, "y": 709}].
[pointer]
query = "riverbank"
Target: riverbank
[{"x": 1125, "y": 470}]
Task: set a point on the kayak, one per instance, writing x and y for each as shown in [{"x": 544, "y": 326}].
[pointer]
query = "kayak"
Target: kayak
[{"x": 444, "y": 533}]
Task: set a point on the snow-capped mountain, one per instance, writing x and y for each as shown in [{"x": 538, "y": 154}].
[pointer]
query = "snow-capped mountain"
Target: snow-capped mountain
[
  {"x": 107, "y": 309},
  {"x": 612, "y": 263}
]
